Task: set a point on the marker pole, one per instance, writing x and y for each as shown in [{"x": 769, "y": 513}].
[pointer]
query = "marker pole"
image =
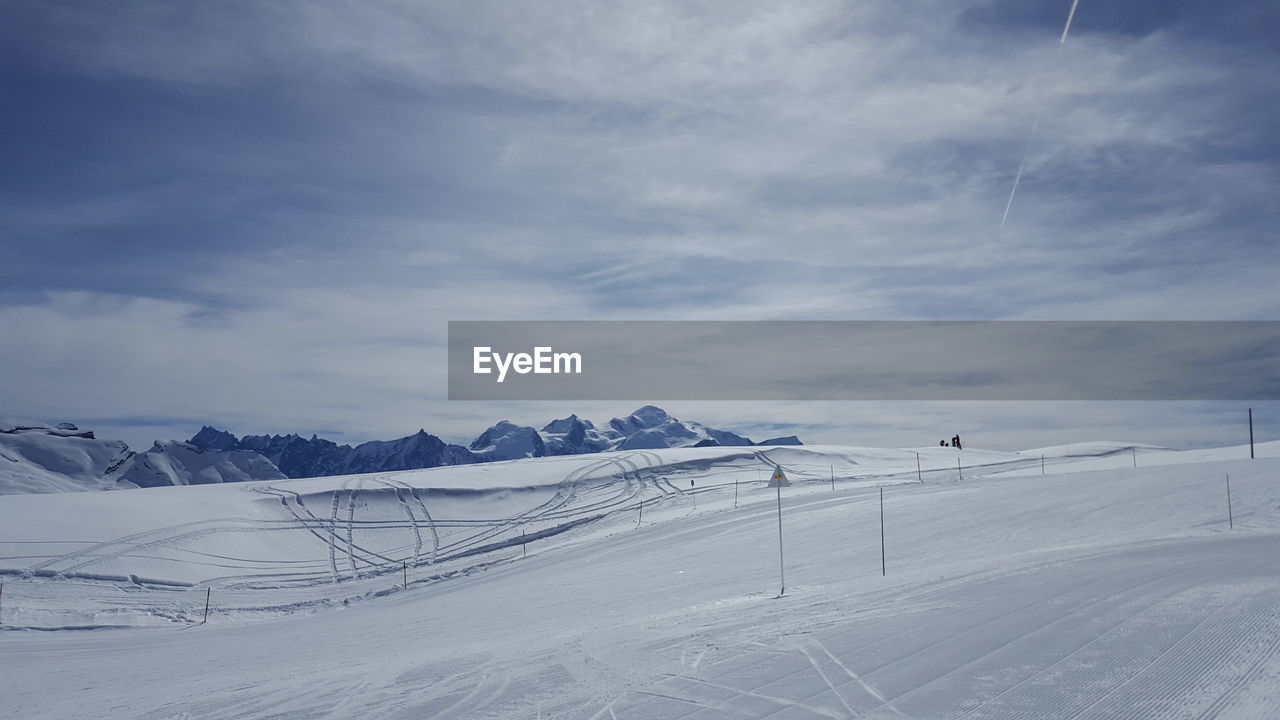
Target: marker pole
[
  {"x": 524, "y": 551},
  {"x": 735, "y": 491},
  {"x": 782, "y": 569},
  {"x": 959, "y": 472},
  {"x": 1250, "y": 433},
  {"x": 919, "y": 474},
  {"x": 1041, "y": 464},
  {"x": 207, "y": 592},
  {"x": 1231, "y": 523},
  {"x": 641, "y": 518},
  {"x": 882, "y": 566},
  {"x": 1135, "y": 456},
  {"x": 833, "y": 478}
]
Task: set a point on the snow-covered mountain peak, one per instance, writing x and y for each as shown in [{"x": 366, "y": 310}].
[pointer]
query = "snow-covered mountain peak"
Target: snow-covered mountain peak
[{"x": 508, "y": 441}]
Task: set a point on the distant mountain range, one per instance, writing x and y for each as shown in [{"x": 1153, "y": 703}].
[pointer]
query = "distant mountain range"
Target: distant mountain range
[
  {"x": 36, "y": 457},
  {"x": 646, "y": 428}
]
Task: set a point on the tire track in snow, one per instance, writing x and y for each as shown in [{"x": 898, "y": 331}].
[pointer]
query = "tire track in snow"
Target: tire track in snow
[
  {"x": 334, "y": 541},
  {"x": 426, "y": 514},
  {"x": 351, "y": 526},
  {"x": 413, "y": 520}
]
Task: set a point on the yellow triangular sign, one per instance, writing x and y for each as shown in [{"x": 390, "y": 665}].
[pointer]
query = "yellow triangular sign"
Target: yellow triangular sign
[{"x": 779, "y": 478}]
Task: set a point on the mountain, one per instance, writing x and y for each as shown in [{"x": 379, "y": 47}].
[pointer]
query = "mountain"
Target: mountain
[
  {"x": 177, "y": 463},
  {"x": 508, "y": 441},
  {"x": 38, "y": 458},
  {"x": 784, "y": 440},
  {"x": 574, "y": 436},
  {"x": 299, "y": 457},
  {"x": 420, "y": 450},
  {"x": 650, "y": 428}
]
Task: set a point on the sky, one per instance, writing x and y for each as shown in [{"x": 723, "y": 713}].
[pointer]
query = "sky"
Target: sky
[{"x": 261, "y": 216}]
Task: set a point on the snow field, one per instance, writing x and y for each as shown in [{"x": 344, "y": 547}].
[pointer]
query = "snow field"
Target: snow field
[{"x": 1114, "y": 592}]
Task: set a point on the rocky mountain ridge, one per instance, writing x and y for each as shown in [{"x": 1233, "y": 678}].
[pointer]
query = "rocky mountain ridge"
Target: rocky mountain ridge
[{"x": 648, "y": 427}]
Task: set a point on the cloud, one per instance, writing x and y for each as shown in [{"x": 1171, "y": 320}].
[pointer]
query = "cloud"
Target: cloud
[{"x": 287, "y": 201}]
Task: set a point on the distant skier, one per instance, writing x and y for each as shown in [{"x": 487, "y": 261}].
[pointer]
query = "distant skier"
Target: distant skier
[{"x": 955, "y": 442}]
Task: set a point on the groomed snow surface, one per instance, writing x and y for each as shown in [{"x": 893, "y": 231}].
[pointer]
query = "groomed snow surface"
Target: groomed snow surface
[{"x": 1093, "y": 590}]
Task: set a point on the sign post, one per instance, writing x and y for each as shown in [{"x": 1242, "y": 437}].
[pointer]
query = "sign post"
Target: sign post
[{"x": 779, "y": 481}]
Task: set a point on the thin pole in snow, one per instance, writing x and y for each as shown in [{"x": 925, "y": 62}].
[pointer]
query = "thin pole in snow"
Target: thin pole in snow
[
  {"x": 404, "y": 568},
  {"x": 919, "y": 474},
  {"x": 207, "y": 592},
  {"x": 882, "y": 567},
  {"x": 524, "y": 551},
  {"x": 1135, "y": 455},
  {"x": 782, "y": 569},
  {"x": 735, "y": 490},
  {"x": 1250, "y": 433},
  {"x": 641, "y": 518},
  {"x": 959, "y": 472},
  {"x": 833, "y": 477},
  {"x": 1231, "y": 523},
  {"x": 1, "y": 602},
  {"x": 1041, "y": 464}
]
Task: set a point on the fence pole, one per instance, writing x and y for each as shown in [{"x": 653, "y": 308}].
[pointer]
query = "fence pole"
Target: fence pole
[
  {"x": 404, "y": 567},
  {"x": 1250, "y": 433},
  {"x": 919, "y": 474},
  {"x": 207, "y": 592}
]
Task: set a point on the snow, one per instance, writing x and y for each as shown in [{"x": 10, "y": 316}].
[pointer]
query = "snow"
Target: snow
[
  {"x": 40, "y": 460},
  {"x": 1094, "y": 590}
]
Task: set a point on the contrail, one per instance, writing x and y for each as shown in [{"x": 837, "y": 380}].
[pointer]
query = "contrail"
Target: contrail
[
  {"x": 1063, "y": 40},
  {"x": 1036, "y": 125}
]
